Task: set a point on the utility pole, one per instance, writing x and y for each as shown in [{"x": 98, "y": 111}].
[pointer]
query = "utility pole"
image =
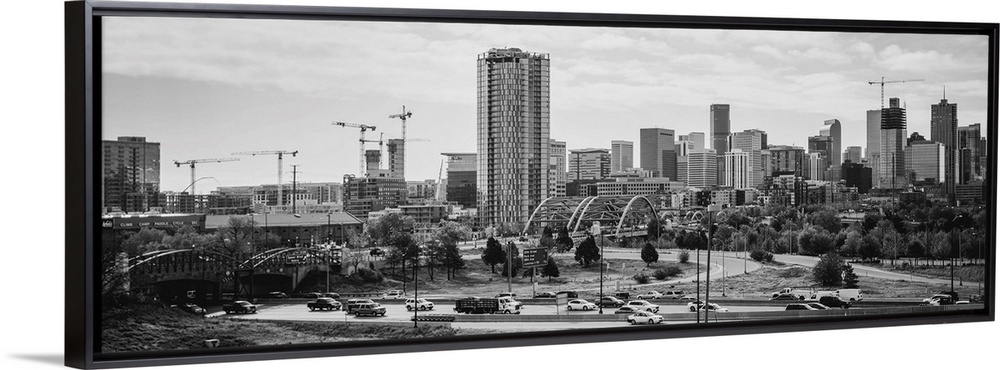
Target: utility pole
[{"x": 294, "y": 188}]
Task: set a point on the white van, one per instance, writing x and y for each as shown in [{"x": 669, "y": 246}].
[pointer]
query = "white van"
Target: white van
[{"x": 850, "y": 295}]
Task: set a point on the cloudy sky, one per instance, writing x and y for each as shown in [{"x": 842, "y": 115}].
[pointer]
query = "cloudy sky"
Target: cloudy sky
[{"x": 208, "y": 88}]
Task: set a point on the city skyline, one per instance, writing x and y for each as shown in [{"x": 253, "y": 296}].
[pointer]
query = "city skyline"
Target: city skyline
[{"x": 274, "y": 91}]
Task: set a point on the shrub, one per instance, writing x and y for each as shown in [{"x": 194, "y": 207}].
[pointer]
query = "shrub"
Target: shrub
[
  {"x": 666, "y": 272},
  {"x": 684, "y": 257},
  {"x": 641, "y": 278},
  {"x": 363, "y": 275},
  {"x": 761, "y": 255}
]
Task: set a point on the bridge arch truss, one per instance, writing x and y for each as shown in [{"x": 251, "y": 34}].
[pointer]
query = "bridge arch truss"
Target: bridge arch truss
[{"x": 616, "y": 213}]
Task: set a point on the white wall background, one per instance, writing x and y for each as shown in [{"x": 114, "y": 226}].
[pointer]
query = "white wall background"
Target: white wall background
[{"x": 31, "y": 117}]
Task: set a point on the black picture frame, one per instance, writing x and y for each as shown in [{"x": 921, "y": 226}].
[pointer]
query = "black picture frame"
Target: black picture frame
[{"x": 82, "y": 126}]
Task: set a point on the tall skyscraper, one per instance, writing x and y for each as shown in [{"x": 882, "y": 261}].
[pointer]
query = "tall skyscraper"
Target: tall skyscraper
[
  {"x": 557, "y": 168},
  {"x": 831, "y": 129},
  {"x": 396, "y": 151},
  {"x": 751, "y": 142},
  {"x": 820, "y": 148},
  {"x": 621, "y": 155},
  {"x": 719, "y": 127},
  {"x": 738, "y": 169},
  {"x": 512, "y": 134},
  {"x": 944, "y": 129},
  {"x": 874, "y": 129},
  {"x": 461, "y": 181},
  {"x": 925, "y": 162},
  {"x": 131, "y": 168},
  {"x": 892, "y": 166},
  {"x": 589, "y": 164},
  {"x": 853, "y": 154},
  {"x": 656, "y": 152},
  {"x": 971, "y": 137},
  {"x": 702, "y": 172}
]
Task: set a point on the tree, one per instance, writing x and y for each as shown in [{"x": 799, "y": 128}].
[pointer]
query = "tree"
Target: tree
[
  {"x": 850, "y": 278},
  {"x": 494, "y": 254},
  {"x": 653, "y": 228},
  {"x": 142, "y": 241},
  {"x": 564, "y": 241},
  {"x": 235, "y": 236},
  {"x": 940, "y": 247},
  {"x": 815, "y": 241},
  {"x": 587, "y": 252},
  {"x": 452, "y": 260},
  {"x": 649, "y": 254},
  {"x": 828, "y": 270},
  {"x": 870, "y": 247},
  {"x": 546, "y": 240},
  {"x": 826, "y": 218},
  {"x": 693, "y": 240},
  {"x": 550, "y": 270},
  {"x": 514, "y": 260},
  {"x": 852, "y": 244}
]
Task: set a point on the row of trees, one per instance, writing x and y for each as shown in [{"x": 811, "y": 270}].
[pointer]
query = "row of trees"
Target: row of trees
[{"x": 395, "y": 234}]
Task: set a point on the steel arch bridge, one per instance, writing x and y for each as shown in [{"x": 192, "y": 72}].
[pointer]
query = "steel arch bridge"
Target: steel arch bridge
[
  {"x": 199, "y": 260},
  {"x": 615, "y": 213}
]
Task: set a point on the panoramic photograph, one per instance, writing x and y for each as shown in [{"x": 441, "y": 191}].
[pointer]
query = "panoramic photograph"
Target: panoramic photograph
[{"x": 273, "y": 182}]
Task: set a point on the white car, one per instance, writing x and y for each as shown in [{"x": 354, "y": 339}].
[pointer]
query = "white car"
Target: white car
[
  {"x": 644, "y": 305},
  {"x": 393, "y": 294},
  {"x": 420, "y": 304},
  {"x": 642, "y": 317},
  {"x": 695, "y": 306},
  {"x": 580, "y": 304},
  {"x": 652, "y": 294}
]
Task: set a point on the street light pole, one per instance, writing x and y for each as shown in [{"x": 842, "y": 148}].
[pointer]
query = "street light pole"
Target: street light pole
[
  {"x": 708, "y": 262},
  {"x": 596, "y": 230}
]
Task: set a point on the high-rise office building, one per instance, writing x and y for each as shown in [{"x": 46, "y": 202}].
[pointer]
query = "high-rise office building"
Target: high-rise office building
[
  {"x": 820, "y": 158},
  {"x": 460, "y": 187},
  {"x": 701, "y": 168},
  {"x": 396, "y": 151},
  {"x": 853, "y": 154},
  {"x": 971, "y": 137},
  {"x": 131, "y": 169},
  {"x": 589, "y": 164},
  {"x": 787, "y": 159},
  {"x": 557, "y": 168},
  {"x": 696, "y": 138},
  {"x": 512, "y": 134},
  {"x": 831, "y": 129},
  {"x": 656, "y": 152},
  {"x": 719, "y": 126},
  {"x": 858, "y": 176},
  {"x": 874, "y": 130},
  {"x": 621, "y": 155},
  {"x": 751, "y": 142},
  {"x": 738, "y": 169},
  {"x": 925, "y": 162},
  {"x": 892, "y": 166},
  {"x": 373, "y": 160},
  {"x": 944, "y": 129}
]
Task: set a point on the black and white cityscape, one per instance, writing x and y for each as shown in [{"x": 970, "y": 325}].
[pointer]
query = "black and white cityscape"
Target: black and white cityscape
[{"x": 270, "y": 182}]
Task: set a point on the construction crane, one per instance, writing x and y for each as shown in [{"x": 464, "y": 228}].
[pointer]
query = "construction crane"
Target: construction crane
[
  {"x": 361, "y": 141},
  {"x": 280, "y": 154},
  {"x": 403, "y": 116},
  {"x": 192, "y": 162},
  {"x": 882, "y": 87}
]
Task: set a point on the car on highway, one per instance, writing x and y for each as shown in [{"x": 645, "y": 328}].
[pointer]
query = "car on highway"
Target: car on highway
[
  {"x": 673, "y": 294},
  {"x": 545, "y": 295},
  {"x": 192, "y": 308},
  {"x": 393, "y": 294},
  {"x": 642, "y": 317},
  {"x": 628, "y": 310},
  {"x": 833, "y": 301},
  {"x": 370, "y": 309},
  {"x": 699, "y": 305},
  {"x": 331, "y": 295},
  {"x": 324, "y": 304},
  {"x": 569, "y": 294},
  {"x": 277, "y": 295},
  {"x": 419, "y": 304},
  {"x": 354, "y": 303},
  {"x": 939, "y": 300},
  {"x": 644, "y": 305},
  {"x": 799, "y": 307},
  {"x": 312, "y": 295},
  {"x": 816, "y": 305},
  {"x": 784, "y": 297},
  {"x": 652, "y": 294},
  {"x": 239, "y": 307},
  {"x": 580, "y": 304},
  {"x": 609, "y": 301}
]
